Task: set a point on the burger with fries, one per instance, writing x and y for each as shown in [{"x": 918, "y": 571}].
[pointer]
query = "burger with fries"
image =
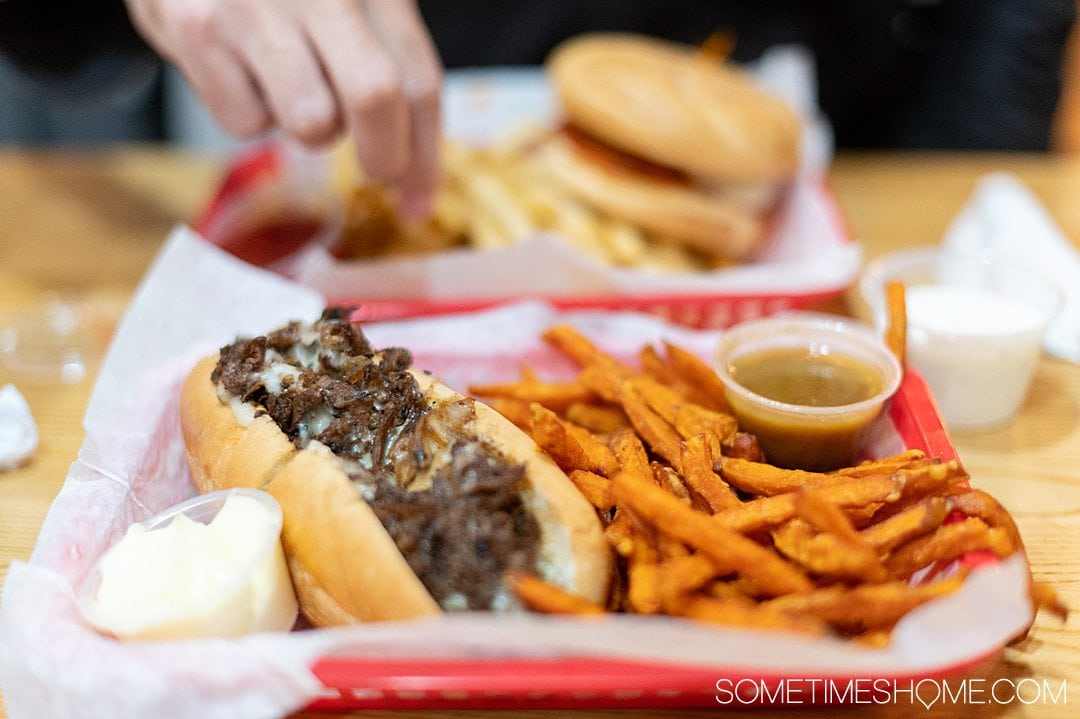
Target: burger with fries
[{"x": 668, "y": 159}]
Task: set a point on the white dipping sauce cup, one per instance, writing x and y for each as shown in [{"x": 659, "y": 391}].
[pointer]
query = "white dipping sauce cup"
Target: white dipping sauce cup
[
  {"x": 975, "y": 326},
  {"x": 212, "y": 566}
]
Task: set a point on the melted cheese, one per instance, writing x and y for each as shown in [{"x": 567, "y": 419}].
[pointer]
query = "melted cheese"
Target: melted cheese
[
  {"x": 314, "y": 422},
  {"x": 243, "y": 411},
  {"x": 273, "y": 377}
]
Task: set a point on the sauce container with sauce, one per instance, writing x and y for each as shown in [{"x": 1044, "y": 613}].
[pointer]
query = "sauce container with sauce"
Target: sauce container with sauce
[
  {"x": 212, "y": 566},
  {"x": 809, "y": 386},
  {"x": 975, "y": 327}
]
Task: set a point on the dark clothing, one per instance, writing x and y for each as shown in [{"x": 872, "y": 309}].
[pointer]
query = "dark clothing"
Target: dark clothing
[
  {"x": 960, "y": 74},
  {"x": 77, "y": 73},
  {"x": 957, "y": 74},
  {"x": 59, "y": 44}
]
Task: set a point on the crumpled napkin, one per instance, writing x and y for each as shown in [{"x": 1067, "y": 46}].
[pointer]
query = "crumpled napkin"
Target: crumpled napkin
[
  {"x": 1003, "y": 216},
  {"x": 18, "y": 433}
]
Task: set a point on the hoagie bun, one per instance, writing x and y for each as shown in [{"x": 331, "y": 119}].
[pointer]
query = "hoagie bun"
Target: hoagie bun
[{"x": 401, "y": 498}]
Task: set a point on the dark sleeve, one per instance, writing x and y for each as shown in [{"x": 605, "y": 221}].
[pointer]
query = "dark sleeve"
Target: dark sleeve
[
  {"x": 56, "y": 37},
  {"x": 991, "y": 76},
  {"x": 917, "y": 74},
  {"x": 496, "y": 32}
]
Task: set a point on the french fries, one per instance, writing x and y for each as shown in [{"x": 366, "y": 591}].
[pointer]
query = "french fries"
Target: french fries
[
  {"x": 825, "y": 516},
  {"x": 729, "y": 550},
  {"x": 595, "y": 418},
  {"x": 886, "y": 465},
  {"x": 681, "y": 578},
  {"x": 827, "y": 555},
  {"x": 643, "y": 592},
  {"x": 744, "y": 614},
  {"x": 701, "y": 376},
  {"x": 594, "y": 488},
  {"x": 896, "y": 326},
  {"x": 767, "y": 512},
  {"x": 658, "y": 369},
  {"x": 542, "y": 596},
  {"x": 660, "y": 436},
  {"x": 697, "y": 461},
  {"x": 571, "y": 447},
  {"x": 947, "y": 543},
  {"x": 917, "y": 520},
  {"x": 494, "y": 197},
  {"x": 705, "y": 529},
  {"x": 866, "y": 606},
  {"x": 555, "y": 396}
]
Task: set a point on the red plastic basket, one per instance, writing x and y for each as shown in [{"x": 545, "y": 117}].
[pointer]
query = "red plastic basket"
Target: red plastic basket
[
  {"x": 269, "y": 237},
  {"x": 578, "y": 682}
]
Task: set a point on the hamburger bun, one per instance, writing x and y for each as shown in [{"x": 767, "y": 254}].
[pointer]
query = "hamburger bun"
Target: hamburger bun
[
  {"x": 669, "y": 210},
  {"x": 670, "y": 105},
  {"x": 688, "y": 148}
]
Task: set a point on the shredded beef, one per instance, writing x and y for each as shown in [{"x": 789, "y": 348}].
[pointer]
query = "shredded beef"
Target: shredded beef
[
  {"x": 337, "y": 313},
  {"x": 343, "y": 338},
  {"x": 238, "y": 362},
  {"x": 285, "y": 337},
  {"x": 466, "y": 531},
  {"x": 298, "y": 403},
  {"x": 461, "y": 534},
  {"x": 396, "y": 359},
  {"x": 364, "y": 429}
]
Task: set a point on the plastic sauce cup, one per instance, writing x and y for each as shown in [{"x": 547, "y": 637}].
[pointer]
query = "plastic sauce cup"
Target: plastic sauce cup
[
  {"x": 212, "y": 566},
  {"x": 975, "y": 327},
  {"x": 819, "y": 431}
]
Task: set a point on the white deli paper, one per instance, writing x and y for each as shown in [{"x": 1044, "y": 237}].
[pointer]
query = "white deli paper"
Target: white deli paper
[
  {"x": 1004, "y": 217},
  {"x": 194, "y": 299}
]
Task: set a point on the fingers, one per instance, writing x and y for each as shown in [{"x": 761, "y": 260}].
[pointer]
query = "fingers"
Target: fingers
[
  {"x": 147, "y": 21},
  {"x": 288, "y": 71},
  {"x": 314, "y": 69},
  {"x": 387, "y": 78},
  {"x": 219, "y": 76},
  {"x": 369, "y": 89},
  {"x": 406, "y": 38}
]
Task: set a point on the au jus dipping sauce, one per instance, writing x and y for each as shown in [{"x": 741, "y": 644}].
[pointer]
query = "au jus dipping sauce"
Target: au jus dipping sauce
[{"x": 810, "y": 388}]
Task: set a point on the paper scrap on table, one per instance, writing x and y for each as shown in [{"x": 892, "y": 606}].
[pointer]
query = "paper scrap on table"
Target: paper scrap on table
[
  {"x": 18, "y": 431},
  {"x": 196, "y": 298},
  {"x": 1005, "y": 217}
]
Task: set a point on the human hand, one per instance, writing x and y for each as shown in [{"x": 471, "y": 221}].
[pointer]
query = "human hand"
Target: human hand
[{"x": 314, "y": 69}]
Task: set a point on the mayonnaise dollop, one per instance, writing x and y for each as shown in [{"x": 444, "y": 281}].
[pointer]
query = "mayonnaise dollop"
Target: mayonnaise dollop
[{"x": 225, "y": 578}]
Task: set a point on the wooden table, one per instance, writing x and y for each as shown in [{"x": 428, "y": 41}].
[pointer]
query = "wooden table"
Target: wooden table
[{"x": 90, "y": 223}]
